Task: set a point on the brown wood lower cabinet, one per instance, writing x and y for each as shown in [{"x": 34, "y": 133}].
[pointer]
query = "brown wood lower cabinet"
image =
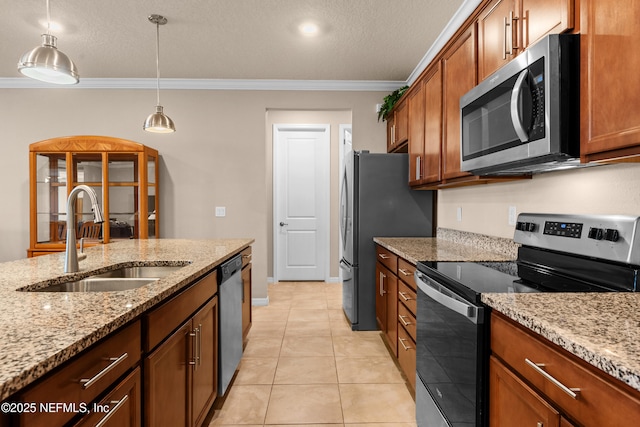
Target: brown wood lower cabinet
[
  {"x": 81, "y": 380},
  {"x": 513, "y": 403},
  {"x": 181, "y": 373},
  {"x": 120, "y": 408},
  {"x": 521, "y": 388},
  {"x": 396, "y": 309}
]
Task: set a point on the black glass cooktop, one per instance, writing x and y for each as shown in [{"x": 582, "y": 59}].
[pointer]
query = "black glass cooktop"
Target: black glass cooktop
[{"x": 471, "y": 279}]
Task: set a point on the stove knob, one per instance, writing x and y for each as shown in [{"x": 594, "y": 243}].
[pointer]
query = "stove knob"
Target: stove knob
[
  {"x": 520, "y": 226},
  {"x": 530, "y": 226},
  {"x": 611, "y": 235},
  {"x": 596, "y": 233}
]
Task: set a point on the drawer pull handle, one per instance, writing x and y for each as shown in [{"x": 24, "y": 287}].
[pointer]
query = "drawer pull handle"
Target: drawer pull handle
[
  {"x": 404, "y": 322},
  {"x": 402, "y": 340},
  {"x": 383, "y": 256},
  {"x": 382, "y": 291},
  {"x": 246, "y": 256},
  {"x": 404, "y": 296},
  {"x": 115, "y": 361},
  {"x": 118, "y": 404},
  {"x": 405, "y": 272},
  {"x": 573, "y": 392}
]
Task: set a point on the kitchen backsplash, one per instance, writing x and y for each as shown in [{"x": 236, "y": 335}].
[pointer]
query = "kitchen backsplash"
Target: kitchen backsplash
[{"x": 490, "y": 243}]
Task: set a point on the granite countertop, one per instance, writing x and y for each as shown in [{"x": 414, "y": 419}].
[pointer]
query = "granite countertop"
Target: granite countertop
[
  {"x": 601, "y": 328},
  {"x": 415, "y": 249},
  {"x": 41, "y": 330}
]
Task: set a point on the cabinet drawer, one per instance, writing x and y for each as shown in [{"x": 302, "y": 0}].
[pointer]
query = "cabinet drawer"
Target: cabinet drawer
[
  {"x": 406, "y": 271},
  {"x": 120, "y": 408},
  {"x": 84, "y": 377},
  {"x": 407, "y": 296},
  {"x": 407, "y": 356},
  {"x": 246, "y": 257},
  {"x": 407, "y": 320},
  {"x": 602, "y": 400},
  {"x": 387, "y": 258},
  {"x": 170, "y": 315}
]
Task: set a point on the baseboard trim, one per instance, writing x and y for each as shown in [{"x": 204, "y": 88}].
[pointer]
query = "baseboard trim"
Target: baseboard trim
[{"x": 260, "y": 302}]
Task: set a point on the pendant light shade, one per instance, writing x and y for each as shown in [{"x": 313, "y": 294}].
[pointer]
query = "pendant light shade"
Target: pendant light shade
[
  {"x": 46, "y": 63},
  {"x": 158, "y": 122}
]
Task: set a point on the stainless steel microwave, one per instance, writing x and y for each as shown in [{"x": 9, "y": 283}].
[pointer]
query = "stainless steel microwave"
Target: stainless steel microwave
[{"x": 524, "y": 118}]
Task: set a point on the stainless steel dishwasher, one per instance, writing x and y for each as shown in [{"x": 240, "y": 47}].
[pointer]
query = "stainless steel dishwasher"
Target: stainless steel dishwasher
[{"x": 230, "y": 291}]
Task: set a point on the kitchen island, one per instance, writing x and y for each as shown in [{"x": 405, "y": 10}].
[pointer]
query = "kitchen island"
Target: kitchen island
[{"x": 42, "y": 330}]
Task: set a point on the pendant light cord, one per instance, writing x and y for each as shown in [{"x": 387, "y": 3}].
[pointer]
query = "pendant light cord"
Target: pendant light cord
[
  {"x": 48, "y": 19},
  {"x": 157, "y": 62}
]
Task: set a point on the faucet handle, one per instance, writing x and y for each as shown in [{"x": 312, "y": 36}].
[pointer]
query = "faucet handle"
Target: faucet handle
[{"x": 82, "y": 245}]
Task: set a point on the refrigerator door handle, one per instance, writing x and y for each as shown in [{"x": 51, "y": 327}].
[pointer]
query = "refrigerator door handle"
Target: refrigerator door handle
[{"x": 345, "y": 265}]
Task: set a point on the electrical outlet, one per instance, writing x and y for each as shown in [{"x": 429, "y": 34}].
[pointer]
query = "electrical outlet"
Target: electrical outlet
[
  {"x": 221, "y": 211},
  {"x": 459, "y": 214},
  {"x": 512, "y": 215}
]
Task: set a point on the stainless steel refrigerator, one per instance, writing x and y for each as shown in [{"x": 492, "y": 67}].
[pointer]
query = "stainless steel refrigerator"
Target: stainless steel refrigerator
[{"x": 375, "y": 201}]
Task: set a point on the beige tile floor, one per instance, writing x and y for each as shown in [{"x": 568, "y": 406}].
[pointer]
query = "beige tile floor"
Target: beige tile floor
[{"x": 304, "y": 366}]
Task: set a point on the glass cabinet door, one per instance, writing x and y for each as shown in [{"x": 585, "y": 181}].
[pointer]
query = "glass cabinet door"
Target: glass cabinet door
[
  {"x": 124, "y": 196},
  {"x": 87, "y": 170},
  {"x": 152, "y": 199},
  {"x": 51, "y": 198}
]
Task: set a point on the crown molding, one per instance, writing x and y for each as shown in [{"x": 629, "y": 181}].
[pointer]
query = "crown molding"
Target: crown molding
[
  {"x": 210, "y": 84},
  {"x": 464, "y": 11}
]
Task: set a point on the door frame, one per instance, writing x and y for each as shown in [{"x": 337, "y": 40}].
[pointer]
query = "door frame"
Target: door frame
[{"x": 326, "y": 220}]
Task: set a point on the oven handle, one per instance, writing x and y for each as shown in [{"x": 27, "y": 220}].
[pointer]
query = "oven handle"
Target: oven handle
[
  {"x": 471, "y": 312},
  {"x": 515, "y": 115}
]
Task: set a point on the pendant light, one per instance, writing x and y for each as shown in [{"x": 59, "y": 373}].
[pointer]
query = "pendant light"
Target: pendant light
[
  {"x": 47, "y": 63},
  {"x": 158, "y": 122}
]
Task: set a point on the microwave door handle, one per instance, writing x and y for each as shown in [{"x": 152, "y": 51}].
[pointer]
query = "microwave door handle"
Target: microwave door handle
[
  {"x": 467, "y": 310},
  {"x": 515, "y": 113}
]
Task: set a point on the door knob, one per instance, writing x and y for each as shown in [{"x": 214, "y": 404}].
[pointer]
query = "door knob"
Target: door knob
[{"x": 282, "y": 224}]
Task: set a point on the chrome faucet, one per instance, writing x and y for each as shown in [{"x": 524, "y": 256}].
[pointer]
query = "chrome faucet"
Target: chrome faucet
[{"x": 71, "y": 252}]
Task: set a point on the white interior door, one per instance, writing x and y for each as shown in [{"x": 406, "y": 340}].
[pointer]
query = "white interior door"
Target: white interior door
[{"x": 301, "y": 201}]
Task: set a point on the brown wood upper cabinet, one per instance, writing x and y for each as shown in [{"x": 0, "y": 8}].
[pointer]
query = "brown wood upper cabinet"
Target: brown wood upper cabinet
[
  {"x": 507, "y": 27},
  {"x": 397, "y": 126},
  {"x": 610, "y": 112},
  {"x": 425, "y": 129},
  {"x": 459, "y": 77}
]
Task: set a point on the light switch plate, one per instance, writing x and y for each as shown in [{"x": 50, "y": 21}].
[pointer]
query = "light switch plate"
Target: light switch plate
[
  {"x": 459, "y": 214},
  {"x": 221, "y": 211}
]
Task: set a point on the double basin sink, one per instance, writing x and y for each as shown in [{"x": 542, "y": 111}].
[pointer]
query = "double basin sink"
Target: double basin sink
[{"x": 120, "y": 279}]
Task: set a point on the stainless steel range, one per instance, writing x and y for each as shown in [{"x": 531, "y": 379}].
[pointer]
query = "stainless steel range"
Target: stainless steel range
[{"x": 558, "y": 253}]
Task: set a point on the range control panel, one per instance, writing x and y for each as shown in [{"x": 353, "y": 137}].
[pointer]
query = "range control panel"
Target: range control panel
[{"x": 611, "y": 237}]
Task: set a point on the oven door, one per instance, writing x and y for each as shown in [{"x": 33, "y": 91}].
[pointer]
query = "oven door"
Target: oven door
[{"x": 451, "y": 360}]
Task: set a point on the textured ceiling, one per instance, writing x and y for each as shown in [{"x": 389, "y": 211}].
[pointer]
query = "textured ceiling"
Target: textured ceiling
[{"x": 381, "y": 40}]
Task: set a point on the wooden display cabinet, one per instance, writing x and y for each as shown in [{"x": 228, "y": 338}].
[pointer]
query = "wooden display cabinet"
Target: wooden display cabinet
[{"x": 124, "y": 175}]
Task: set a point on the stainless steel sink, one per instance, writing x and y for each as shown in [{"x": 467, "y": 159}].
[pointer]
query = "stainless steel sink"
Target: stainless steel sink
[
  {"x": 138, "y": 272},
  {"x": 120, "y": 279},
  {"x": 100, "y": 284}
]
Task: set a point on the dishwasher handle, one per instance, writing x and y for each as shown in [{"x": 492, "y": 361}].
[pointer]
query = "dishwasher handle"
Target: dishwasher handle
[{"x": 229, "y": 268}]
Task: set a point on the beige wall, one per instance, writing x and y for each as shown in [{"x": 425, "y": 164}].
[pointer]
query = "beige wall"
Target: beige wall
[
  {"x": 610, "y": 189},
  {"x": 217, "y": 157}
]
